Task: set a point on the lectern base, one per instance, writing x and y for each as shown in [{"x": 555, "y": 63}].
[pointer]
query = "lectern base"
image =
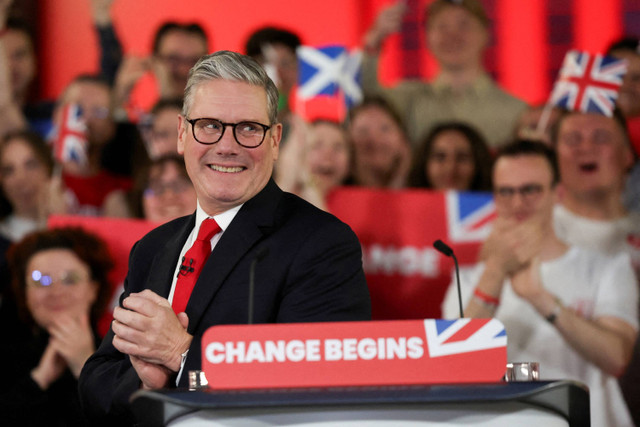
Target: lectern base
[
  {"x": 507, "y": 415},
  {"x": 538, "y": 403}
]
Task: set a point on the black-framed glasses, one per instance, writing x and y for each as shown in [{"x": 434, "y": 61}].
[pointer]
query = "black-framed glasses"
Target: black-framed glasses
[
  {"x": 527, "y": 192},
  {"x": 209, "y": 131}
]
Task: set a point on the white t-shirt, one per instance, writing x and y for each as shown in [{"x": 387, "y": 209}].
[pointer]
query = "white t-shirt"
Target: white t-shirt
[
  {"x": 15, "y": 228},
  {"x": 593, "y": 285},
  {"x": 611, "y": 237}
]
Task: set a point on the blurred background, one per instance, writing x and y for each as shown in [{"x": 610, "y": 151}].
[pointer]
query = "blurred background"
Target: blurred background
[{"x": 529, "y": 37}]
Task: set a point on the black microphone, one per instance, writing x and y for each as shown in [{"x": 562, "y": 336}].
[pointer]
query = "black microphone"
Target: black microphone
[
  {"x": 260, "y": 254},
  {"x": 185, "y": 269},
  {"x": 447, "y": 251}
]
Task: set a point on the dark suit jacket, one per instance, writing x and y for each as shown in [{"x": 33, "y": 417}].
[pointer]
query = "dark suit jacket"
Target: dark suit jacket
[{"x": 312, "y": 271}]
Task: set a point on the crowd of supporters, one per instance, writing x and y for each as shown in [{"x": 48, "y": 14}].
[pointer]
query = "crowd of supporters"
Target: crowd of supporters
[{"x": 437, "y": 135}]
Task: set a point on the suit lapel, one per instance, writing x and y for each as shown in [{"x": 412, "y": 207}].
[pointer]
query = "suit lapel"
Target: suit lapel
[
  {"x": 164, "y": 264},
  {"x": 254, "y": 220}
]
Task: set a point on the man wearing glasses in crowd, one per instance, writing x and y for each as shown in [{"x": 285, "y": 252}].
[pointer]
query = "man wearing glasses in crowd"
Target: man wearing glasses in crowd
[
  {"x": 572, "y": 310},
  {"x": 307, "y": 263}
]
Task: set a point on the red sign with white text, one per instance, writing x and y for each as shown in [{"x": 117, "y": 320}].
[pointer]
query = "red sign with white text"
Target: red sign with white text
[
  {"x": 407, "y": 277},
  {"x": 402, "y": 352}
]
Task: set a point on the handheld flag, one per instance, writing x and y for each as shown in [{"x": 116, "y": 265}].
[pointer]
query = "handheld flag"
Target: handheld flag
[
  {"x": 328, "y": 81},
  {"x": 71, "y": 144},
  {"x": 588, "y": 83}
]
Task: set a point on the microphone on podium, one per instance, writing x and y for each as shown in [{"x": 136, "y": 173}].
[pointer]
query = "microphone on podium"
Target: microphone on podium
[
  {"x": 260, "y": 254},
  {"x": 445, "y": 250}
]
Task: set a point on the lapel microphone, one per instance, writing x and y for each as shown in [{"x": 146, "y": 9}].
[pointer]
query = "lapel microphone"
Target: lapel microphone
[
  {"x": 185, "y": 269},
  {"x": 447, "y": 251},
  {"x": 260, "y": 254}
]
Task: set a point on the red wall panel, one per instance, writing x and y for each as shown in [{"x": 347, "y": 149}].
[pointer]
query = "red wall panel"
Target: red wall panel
[
  {"x": 68, "y": 43},
  {"x": 530, "y": 37}
]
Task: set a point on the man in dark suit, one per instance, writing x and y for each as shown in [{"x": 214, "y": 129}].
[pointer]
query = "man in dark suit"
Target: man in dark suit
[{"x": 308, "y": 263}]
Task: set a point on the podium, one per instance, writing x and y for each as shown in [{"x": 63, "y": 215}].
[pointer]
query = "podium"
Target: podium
[{"x": 548, "y": 403}]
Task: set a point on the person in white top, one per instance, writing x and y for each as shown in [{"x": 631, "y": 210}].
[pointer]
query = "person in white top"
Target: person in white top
[
  {"x": 594, "y": 156},
  {"x": 572, "y": 310}
]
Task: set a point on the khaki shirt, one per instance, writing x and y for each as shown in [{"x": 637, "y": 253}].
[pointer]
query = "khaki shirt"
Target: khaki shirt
[{"x": 483, "y": 105}]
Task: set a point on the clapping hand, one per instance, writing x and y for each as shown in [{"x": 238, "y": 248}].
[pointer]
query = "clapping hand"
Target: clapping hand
[
  {"x": 70, "y": 345},
  {"x": 512, "y": 245},
  {"x": 73, "y": 340},
  {"x": 152, "y": 335}
]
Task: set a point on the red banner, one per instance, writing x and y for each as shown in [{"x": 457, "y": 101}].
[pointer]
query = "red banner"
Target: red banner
[
  {"x": 407, "y": 277},
  {"x": 403, "y": 352}
]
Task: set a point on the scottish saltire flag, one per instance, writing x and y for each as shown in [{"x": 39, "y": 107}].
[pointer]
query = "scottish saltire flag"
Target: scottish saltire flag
[
  {"x": 449, "y": 337},
  {"x": 469, "y": 216},
  {"x": 330, "y": 72},
  {"x": 70, "y": 144},
  {"x": 588, "y": 83}
]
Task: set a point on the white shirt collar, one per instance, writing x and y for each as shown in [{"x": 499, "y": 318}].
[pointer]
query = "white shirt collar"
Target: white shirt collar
[{"x": 223, "y": 219}]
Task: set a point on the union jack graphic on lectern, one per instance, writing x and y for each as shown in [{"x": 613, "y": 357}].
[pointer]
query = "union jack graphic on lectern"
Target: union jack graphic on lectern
[
  {"x": 588, "y": 83},
  {"x": 449, "y": 337}
]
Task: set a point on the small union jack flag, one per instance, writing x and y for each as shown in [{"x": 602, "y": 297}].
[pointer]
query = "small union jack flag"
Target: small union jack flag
[
  {"x": 588, "y": 83},
  {"x": 447, "y": 337},
  {"x": 70, "y": 144},
  {"x": 469, "y": 216}
]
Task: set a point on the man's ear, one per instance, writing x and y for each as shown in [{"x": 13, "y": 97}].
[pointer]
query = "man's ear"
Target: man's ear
[
  {"x": 182, "y": 133},
  {"x": 274, "y": 140}
]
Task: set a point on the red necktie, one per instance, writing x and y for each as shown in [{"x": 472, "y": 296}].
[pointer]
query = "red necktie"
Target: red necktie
[{"x": 192, "y": 264}]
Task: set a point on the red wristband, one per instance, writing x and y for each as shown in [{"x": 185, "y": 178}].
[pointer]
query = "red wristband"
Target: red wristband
[{"x": 486, "y": 298}]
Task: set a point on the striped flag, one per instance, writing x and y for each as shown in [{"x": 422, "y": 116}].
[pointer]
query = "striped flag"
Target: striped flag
[
  {"x": 588, "y": 83},
  {"x": 71, "y": 144}
]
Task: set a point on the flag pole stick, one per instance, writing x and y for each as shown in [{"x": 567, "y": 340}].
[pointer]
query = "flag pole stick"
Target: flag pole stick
[{"x": 544, "y": 119}]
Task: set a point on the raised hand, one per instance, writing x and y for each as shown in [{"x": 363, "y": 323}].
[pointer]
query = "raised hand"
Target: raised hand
[
  {"x": 49, "y": 369},
  {"x": 512, "y": 245},
  {"x": 130, "y": 71},
  {"x": 526, "y": 282},
  {"x": 388, "y": 21},
  {"x": 72, "y": 339},
  {"x": 291, "y": 171},
  {"x": 101, "y": 12}
]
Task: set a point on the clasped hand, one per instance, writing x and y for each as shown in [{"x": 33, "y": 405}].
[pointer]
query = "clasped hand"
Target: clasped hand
[
  {"x": 512, "y": 245},
  {"x": 513, "y": 249},
  {"x": 152, "y": 335}
]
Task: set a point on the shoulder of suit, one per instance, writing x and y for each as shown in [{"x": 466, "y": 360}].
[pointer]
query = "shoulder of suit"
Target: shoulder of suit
[
  {"x": 295, "y": 210},
  {"x": 162, "y": 232}
]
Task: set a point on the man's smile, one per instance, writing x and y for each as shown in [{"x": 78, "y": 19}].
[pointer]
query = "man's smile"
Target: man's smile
[{"x": 227, "y": 169}]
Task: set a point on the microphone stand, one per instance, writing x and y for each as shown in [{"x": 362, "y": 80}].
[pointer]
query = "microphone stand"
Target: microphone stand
[{"x": 445, "y": 250}]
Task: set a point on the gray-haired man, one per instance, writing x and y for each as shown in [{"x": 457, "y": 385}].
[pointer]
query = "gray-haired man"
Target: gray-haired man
[{"x": 310, "y": 263}]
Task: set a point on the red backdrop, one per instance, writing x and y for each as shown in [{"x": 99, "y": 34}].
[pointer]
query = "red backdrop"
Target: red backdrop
[{"x": 529, "y": 37}]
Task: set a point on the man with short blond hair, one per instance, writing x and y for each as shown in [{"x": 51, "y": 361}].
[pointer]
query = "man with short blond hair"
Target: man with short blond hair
[{"x": 457, "y": 34}]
